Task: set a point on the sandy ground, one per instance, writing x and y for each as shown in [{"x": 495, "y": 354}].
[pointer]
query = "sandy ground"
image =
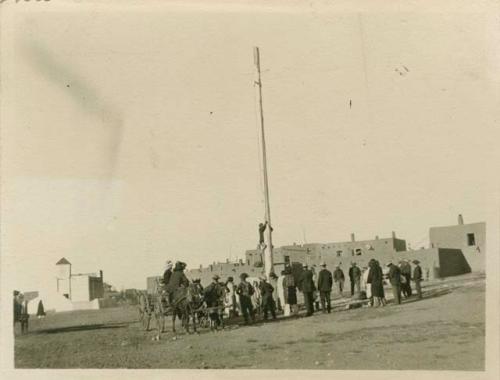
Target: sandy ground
[{"x": 444, "y": 331}]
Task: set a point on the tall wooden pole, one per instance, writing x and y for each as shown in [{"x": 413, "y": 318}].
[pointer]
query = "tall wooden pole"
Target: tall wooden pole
[{"x": 268, "y": 250}]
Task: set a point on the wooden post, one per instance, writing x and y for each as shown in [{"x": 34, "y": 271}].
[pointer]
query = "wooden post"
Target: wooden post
[{"x": 268, "y": 241}]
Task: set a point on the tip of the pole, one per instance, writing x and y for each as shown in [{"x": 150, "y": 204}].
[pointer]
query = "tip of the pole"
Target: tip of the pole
[{"x": 256, "y": 54}]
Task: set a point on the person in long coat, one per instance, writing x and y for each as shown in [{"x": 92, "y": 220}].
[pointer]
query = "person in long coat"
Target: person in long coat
[
  {"x": 339, "y": 278},
  {"x": 290, "y": 291},
  {"x": 177, "y": 279},
  {"x": 306, "y": 284},
  {"x": 395, "y": 279},
  {"x": 268, "y": 304},
  {"x": 40, "y": 313},
  {"x": 417, "y": 278},
  {"x": 325, "y": 283},
  {"x": 245, "y": 291},
  {"x": 406, "y": 277},
  {"x": 376, "y": 281}
]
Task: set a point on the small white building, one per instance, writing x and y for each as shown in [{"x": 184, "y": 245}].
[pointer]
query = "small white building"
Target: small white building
[{"x": 71, "y": 291}]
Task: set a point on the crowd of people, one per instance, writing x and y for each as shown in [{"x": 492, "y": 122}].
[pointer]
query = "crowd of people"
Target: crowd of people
[{"x": 316, "y": 288}]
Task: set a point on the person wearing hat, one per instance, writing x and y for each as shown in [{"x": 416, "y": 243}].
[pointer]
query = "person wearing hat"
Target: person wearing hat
[
  {"x": 405, "y": 278},
  {"x": 355, "y": 278},
  {"x": 245, "y": 291},
  {"x": 214, "y": 297},
  {"x": 306, "y": 285},
  {"x": 177, "y": 280},
  {"x": 267, "y": 303},
  {"x": 417, "y": 278},
  {"x": 167, "y": 273},
  {"x": 395, "y": 279},
  {"x": 325, "y": 283},
  {"x": 339, "y": 278}
]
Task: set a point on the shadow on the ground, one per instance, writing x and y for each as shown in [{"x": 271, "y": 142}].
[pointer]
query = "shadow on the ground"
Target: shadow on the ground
[
  {"x": 428, "y": 295},
  {"x": 99, "y": 326}
]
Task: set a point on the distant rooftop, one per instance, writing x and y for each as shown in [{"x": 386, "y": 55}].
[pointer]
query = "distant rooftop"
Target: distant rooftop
[{"x": 63, "y": 261}]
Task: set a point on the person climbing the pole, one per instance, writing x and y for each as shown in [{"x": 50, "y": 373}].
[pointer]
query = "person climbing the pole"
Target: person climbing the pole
[{"x": 262, "y": 228}]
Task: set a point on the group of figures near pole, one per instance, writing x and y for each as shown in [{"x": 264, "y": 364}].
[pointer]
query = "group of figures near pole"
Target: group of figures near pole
[{"x": 255, "y": 297}]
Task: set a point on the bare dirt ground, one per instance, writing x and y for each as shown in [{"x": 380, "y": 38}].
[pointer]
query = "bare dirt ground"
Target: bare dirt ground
[{"x": 444, "y": 331}]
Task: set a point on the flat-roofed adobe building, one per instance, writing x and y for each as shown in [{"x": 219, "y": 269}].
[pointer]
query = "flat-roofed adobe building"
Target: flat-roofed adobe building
[{"x": 469, "y": 238}]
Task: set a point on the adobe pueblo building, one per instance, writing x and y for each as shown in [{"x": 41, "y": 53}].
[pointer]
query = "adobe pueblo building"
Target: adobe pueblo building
[
  {"x": 453, "y": 250},
  {"x": 71, "y": 291}
]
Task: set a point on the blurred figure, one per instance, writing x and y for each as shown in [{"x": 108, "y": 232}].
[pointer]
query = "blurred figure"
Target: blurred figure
[
  {"x": 405, "y": 268},
  {"x": 375, "y": 279},
  {"x": 366, "y": 285},
  {"x": 290, "y": 292},
  {"x": 339, "y": 278},
  {"x": 395, "y": 279},
  {"x": 280, "y": 290},
  {"x": 268, "y": 305},
  {"x": 355, "y": 278},
  {"x": 245, "y": 291},
  {"x": 40, "y": 313},
  {"x": 306, "y": 284},
  {"x": 417, "y": 278},
  {"x": 231, "y": 305}
]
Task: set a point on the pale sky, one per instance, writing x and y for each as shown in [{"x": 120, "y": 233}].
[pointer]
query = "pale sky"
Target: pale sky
[{"x": 129, "y": 138}]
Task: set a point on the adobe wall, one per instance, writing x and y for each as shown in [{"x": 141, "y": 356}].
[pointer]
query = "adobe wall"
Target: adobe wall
[{"x": 456, "y": 236}]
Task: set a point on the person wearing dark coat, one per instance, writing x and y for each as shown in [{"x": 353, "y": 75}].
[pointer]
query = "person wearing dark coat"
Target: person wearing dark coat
[
  {"x": 325, "y": 283},
  {"x": 376, "y": 281},
  {"x": 167, "y": 274},
  {"x": 177, "y": 280},
  {"x": 395, "y": 279},
  {"x": 266, "y": 293},
  {"x": 339, "y": 278},
  {"x": 417, "y": 278},
  {"x": 406, "y": 274},
  {"x": 245, "y": 291},
  {"x": 355, "y": 278},
  {"x": 290, "y": 291},
  {"x": 213, "y": 295},
  {"x": 40, "y": 313},
  {"x": 306, "y": 284}
]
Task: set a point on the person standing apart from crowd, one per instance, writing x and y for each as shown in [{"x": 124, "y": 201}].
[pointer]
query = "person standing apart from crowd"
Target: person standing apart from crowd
[
  {"x": 395, "y": 279},
  {"x": 355, "y": 278},
  {"x": 306, "y": 284},
  {"x": 417, "y": 278},
  {"x": 245, "y": 291},
  {"x": 339, "y": 278},
  {"x": 325, "y": 283}
]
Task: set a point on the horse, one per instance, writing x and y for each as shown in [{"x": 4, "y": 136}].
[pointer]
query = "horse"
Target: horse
[{"x": 185, "y": 305}]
